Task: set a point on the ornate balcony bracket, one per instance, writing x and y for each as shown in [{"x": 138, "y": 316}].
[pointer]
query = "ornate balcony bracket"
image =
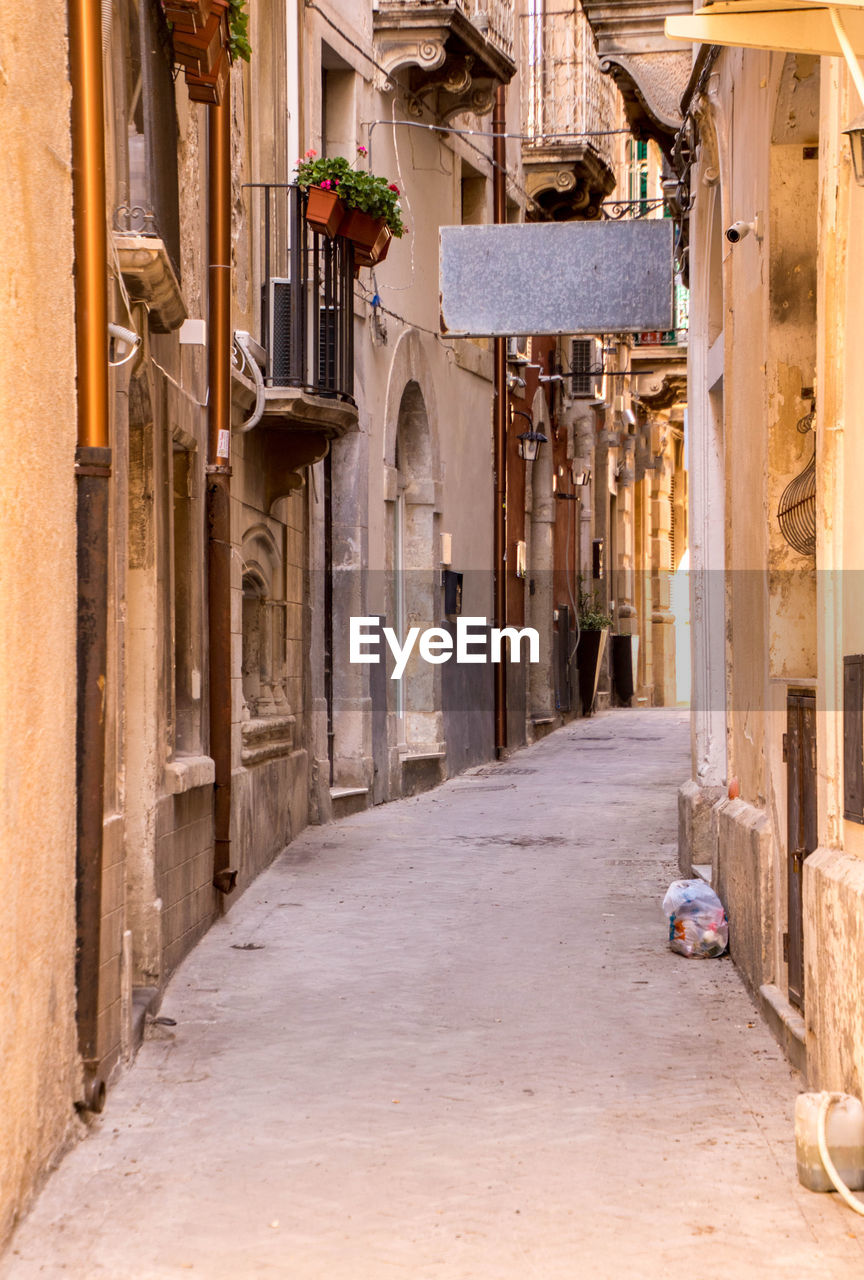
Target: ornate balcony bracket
[
  {"x": 651, "y": 75},
  {"x": 294, "y": 433},
  {"x": 663, "y": 390},
  {"x": 444, "y": 59},
  {"x": 149, "y": 277},
  {"x": 652, "y": 85},
  {"x": 567, "y": 182}
]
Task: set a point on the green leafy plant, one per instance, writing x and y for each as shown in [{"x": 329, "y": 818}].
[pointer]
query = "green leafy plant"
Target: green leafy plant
[
  {"x": 356, "y": 188},
  {"x": 238, "y": 31},
  {"x": 591, "y": 615}
]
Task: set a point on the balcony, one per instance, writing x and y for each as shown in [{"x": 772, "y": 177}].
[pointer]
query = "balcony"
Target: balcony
[
  {"x": 650, "y": 73},
  {"x": 307, "y": 339},
  {"x": 564, "y": 97},
  {"x": 451, "y": 55}
]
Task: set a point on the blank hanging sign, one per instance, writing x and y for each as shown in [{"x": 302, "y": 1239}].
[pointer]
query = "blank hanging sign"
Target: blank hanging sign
[{"x": 556, "y": 277}]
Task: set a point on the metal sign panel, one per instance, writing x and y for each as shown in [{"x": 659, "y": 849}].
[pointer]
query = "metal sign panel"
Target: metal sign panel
[{"x": 556, "y": 277}]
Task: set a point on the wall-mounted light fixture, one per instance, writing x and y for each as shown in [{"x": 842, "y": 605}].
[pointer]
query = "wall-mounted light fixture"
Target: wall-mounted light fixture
[
  {"x": 855, "y": 134},
  {"x": 581, "y": 475},
  {"x": 529, "y": 441}
]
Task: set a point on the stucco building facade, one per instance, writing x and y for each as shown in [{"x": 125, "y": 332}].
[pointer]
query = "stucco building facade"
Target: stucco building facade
[{"x": 265, "y": 444}]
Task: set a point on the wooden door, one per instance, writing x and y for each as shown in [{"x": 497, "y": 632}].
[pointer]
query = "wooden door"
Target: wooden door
[{"x": 800, "y": 755}]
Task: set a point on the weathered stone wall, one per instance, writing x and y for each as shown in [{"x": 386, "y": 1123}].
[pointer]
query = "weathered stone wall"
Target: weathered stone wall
[
  {"x": 39, "y": 1076},
  {"x": 744, "y": 882},
  {"x": 834, "y": 972}
]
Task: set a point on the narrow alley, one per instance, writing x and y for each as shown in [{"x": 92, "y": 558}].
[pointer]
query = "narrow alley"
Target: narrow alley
[{"x": 446, "y": 1038}]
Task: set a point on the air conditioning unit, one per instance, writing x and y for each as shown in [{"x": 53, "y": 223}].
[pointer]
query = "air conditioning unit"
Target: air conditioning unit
[
  {"x": 278, "y": 337},
  {"x": 586, "y": 365},
  {"x": 518, "y": 350},
  {"x": 284, "y": 367}
]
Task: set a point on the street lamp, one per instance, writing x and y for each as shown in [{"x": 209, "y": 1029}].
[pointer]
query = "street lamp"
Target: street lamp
[{"x": 855, "y": 134}]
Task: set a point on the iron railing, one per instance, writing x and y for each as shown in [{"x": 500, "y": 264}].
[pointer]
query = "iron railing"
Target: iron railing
[
  {"x": 564, "y": 93},
  {"x": 495, "y": 18},
  {"x": 149, "y": 180},
  {"x": 307, "y": 296}
]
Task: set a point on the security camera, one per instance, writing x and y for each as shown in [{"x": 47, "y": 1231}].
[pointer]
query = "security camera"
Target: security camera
[{"x": 739, "y": 230}]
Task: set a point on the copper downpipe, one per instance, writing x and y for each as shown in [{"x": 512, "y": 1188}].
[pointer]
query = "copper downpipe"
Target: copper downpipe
[
  {"x": 499, "y": 538},
  {"x": 92, "y": 472},
  {"x": 219, "y": 483}
]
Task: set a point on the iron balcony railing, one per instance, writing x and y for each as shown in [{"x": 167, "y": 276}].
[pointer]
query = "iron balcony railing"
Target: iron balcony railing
[
  {"x": 307, "y": 296},
  {"x": 147, "y": 168},
  {"x": 564, "y": 93}
]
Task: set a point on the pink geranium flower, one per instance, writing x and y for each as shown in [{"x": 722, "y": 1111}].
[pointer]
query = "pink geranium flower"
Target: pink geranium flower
[
  {"x": 310, "y": 154},
  {"x": 361, "y": 151},
  {"x": 326, "y": 184}
]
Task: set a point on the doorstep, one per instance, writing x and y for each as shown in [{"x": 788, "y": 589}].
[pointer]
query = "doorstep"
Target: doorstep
[{"x": 786, "y": 1025}]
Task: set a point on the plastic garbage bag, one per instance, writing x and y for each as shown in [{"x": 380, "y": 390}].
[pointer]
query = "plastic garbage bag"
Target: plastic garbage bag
[{"x": 697, "y": 919}]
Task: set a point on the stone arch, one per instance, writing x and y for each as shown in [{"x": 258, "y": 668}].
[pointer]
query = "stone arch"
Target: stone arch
[
  {"x": 416, "y": 591},
  {"x": 410, "y": 364},
  {"x": 263, "y": 624}
]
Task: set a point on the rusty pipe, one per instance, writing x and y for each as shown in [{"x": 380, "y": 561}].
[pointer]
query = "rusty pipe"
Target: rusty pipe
[
  {"x": 499, "y": 532},
  {"x": 92, "y": 475},
  {"x": 219, "y": 482}
]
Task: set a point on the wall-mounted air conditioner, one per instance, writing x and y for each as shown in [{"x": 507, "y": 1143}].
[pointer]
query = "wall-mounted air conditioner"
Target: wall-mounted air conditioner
[
  {"x": 518, "y": 350},
  {"x": 278, "y": 335},
  {"x": 586, "y": 365}
]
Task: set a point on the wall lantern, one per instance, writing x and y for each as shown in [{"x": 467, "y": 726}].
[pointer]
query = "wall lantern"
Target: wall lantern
[
  {"x": 529, "y": 444},
  {"x": 855, "y": 134},
  {"x": 529, "y": 441},
  {"x": 581, "y": 475}
]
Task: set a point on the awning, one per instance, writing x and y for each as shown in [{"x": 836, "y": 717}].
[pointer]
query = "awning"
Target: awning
[{"x": 793, "y": 26}]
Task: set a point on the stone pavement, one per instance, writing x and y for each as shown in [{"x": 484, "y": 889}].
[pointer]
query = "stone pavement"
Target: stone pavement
[{"x": 456, "y": 1047}]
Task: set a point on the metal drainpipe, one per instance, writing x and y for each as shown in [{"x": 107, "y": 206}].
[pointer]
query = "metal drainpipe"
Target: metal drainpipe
[
  {"x": 219, "y": 483},
  {"x": 92, "y": 473},
  {"x": 499, "y": 541}
]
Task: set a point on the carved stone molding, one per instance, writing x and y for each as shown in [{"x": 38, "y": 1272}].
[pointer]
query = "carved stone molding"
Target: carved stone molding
[
  {"x": 149, "y": 277},
  {"x": 438, "y": 58},
  {"x": 650, "y": 73},
  {"x": 567, "y": 182},
  {"x": 652, "y": 85},
  {"x": 267, "y": 738}
]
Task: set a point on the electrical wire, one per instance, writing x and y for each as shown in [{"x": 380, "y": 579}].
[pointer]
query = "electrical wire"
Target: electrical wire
[{"x": 369, "y": 296}]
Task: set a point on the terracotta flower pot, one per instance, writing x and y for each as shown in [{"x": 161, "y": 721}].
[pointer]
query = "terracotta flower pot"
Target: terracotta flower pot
[
  {"x": 324, "y": 210},
  {"x": 199, "y": 51},
  {"x": 370, "y": 236},
  {"x": 210, "y": 87},
  {"x": 187, "y": 15}
]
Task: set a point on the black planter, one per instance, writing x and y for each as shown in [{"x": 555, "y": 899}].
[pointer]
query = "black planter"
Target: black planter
[
  {"x": 624, "y": 652},
  {"x": 589, "y": 657}
]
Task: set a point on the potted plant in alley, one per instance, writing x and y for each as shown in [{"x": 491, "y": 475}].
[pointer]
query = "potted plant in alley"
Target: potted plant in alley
[
  {"x": 371, "y": 212},
  {"x": 594, "y": 626}
]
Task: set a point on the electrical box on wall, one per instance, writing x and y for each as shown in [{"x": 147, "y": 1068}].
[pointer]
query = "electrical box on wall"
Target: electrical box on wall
[
  {"x": 446, "y": 548},
  {"x": 452, "y": 583}
]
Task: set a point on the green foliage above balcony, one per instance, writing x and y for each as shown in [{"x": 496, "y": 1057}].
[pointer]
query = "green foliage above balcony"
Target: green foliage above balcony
[
  {"x": 356, "y": 188},
  {"x": 238, "y": 31}
]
